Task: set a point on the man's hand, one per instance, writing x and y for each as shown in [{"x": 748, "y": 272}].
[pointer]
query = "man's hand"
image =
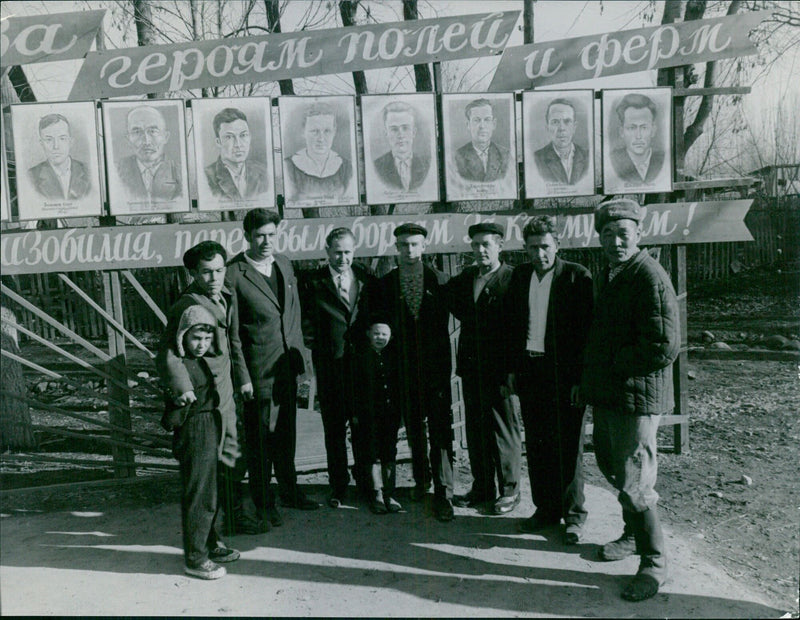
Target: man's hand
[
  {"x": 247, "y": 391},
  {"x": 186, "y": 398},
  {"x": 510, "y": 386}
]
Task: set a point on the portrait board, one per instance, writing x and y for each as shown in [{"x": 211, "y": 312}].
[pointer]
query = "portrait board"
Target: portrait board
[
  {"x": 233, "y": 153},
  {"x": 318, "y": 142},
  {"x": 400, "y": 148},
  {"x": 145, "y": 145},
  {"x": 558, "y": 143},
  {"x": 637, "y": 141},
  {"x": 55, "y": 146},
  {"x": 479, "y": 146}
]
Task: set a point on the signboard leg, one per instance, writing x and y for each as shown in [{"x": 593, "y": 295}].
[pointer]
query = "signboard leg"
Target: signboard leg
[
  {"x": 680, "y": 369},
  {"x": 124, "y": 466}
]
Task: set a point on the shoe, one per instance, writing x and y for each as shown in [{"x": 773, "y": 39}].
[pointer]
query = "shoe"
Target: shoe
[
  {"x": 205, "y": 570},
  {"x": 336, "y": 499},
  {"x": 443, "y": 509},
  {"x": 472, "y": 500},
  {"x": 301, "y": 502},
  {"x": 572, "y": 534},
  {"x": 505, "y": 504},
  {"x": 618, "y": 549},
  {"x": 536, "y": 523},
  {"x": 392, "y": 505},
  {"x": 640, "y": 588},
  {"x": 222, "y": 554},
  {"x": 377, "y": 506},
  {"x": 273, "y": 517},
  {"x": 418, "y": 493}
]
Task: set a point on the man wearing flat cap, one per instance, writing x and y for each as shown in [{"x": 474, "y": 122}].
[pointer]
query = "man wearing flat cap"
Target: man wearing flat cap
[
  {"x": 477, "y": 299},
  {"x": 413, "y": 298},
  {"x": 549, "y": 305},
  {"x": 627, "y": 378}
]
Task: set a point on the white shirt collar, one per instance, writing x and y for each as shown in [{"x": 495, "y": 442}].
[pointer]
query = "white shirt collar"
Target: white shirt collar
[
  {"x": 346, "y": 276},
  {"x": 309, "y": 166},
  {"x": 264, "y": 267},
  {"x": 643, "y": 165}
]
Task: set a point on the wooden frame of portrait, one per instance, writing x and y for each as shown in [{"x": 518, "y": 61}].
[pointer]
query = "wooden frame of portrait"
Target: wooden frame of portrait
[
  {"x": 319, "y": 158},
  {"x": 417, "y": 145},
  {"x": 5, "y": 198},
  {"x": 556, "y": 121},
  {"x": 240, "y": 159},
  {"x": 57, "y": 160},
  {"x": 149, "y": 149},
  {"x": 480, "y": 156},
  {"x": 637, "y": 157}
]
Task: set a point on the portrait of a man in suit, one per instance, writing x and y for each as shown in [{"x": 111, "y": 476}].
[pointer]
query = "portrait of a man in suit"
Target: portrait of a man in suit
[
  {"x": 235, "y": 175},
  {"x": 148, "y": 174},
  {"x": 401, "y": 168},
  {"x": 561, "y": 160},
  {"x": 636, "y": 160},
  {"x": 60, "y": 176},
  {"x": 481, "y": 159}
]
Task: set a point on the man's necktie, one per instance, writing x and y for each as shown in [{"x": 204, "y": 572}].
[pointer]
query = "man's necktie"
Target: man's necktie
[{"x": 404, "y": 169}]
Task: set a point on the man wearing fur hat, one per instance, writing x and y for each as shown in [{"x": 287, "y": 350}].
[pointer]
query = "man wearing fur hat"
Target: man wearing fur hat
[{"x": 627, "y": 378}]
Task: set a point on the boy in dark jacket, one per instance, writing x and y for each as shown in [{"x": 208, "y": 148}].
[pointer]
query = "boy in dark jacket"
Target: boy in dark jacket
[
  {"x": 376, "y": 414},
  {"x": 197, "y": 432}
]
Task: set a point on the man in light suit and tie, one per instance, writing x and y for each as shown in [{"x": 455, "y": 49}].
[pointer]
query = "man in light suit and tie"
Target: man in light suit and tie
[
  {"x": 234, "y": 175},
  {"x": 60, "y": 176},
  {"x": 266, "y": 349},
  {"x": 401, "y": 168},
  {"x": 561, "y": 161},
  {"x": 481, "y": 160},
  {"x": 332, "y": 325}
]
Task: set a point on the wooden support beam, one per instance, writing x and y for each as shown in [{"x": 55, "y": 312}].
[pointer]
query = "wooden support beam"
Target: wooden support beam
[
  {"x": 714, "y": 90},
  {"x": 111, "y": 442},
  {"x": 111, "y": 320},
  {"x": 105, "y": 463},
  {"x": 40, "y": 406},
  {"x": 145, "y": 296},
  {"x": 52, "y": 374},
  {"x": 715, "y": 183}
]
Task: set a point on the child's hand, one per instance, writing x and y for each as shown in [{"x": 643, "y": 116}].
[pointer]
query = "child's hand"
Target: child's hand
[
  {"x": 171, "y": 420},
  {"x": 185, "y": 399}
]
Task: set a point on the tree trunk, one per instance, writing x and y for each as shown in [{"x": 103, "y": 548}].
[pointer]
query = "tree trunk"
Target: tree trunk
[
  {"x": 16, "y": 430},
  {"x": 422, "y": 73},
  {"x": 274, "y": 23}
]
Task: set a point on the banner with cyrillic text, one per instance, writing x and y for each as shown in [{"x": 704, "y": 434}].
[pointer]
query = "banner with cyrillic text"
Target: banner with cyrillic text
[
  {"x": 133, "y": 247},
  {"x": 626, "y": 51},
  {"x": 45, "y": 38},
  {"x": 244, "y": 60}
]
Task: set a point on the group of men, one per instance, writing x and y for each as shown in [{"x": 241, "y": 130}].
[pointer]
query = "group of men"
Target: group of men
[{"x": 535, "y": 330}]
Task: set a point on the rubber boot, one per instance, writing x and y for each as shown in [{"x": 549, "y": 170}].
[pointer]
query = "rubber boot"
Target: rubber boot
[
  {"x": 623, "y": 546},
  {"x": 652, "y": 571}
]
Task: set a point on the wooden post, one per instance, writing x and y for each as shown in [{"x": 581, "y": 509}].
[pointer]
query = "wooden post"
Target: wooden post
[
  {"x": 677, "y": 254},
  {"x": 119, "y": 416}
]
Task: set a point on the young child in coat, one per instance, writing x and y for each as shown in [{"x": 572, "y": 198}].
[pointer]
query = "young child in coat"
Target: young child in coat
[
  {"x": 197, "y": 432},
  {"x": 377, "y": 413}
]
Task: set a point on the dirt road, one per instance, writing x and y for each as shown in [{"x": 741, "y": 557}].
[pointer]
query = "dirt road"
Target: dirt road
[{"x": 126, "y": 560}]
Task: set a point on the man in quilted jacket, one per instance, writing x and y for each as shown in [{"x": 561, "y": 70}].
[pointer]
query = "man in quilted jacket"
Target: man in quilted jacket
[{"x": 627, "y": 378}]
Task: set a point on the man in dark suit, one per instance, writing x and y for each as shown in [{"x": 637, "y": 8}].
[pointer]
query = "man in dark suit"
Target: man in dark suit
[
  {"x": 561, "y": 161},
  {"x": 481, "y": 160},
  {"x": 266, "y": 349},
  {"x": 477, "y": 299},
  {"x": 148, "y": 174},
  {"x": 331, "y": 327},
  {"x": 233, "y": 175},
  {"x": 60, "y": 176},
  {"x": 401, "y": 168},
  {"x": 412, "y": 296},
  {"x": 636, "y": 162},
  {"x": 549, "y": 310}
]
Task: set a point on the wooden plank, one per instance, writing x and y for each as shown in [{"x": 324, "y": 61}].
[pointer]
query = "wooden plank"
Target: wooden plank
[
  {"x": 128, "y": 446},
  {"x": 116, "y": 324},
  {"x": 716, "y": 90},
  {"x": 742, "y": 355},
  {"x": 715, "y": 183},
  {"x": 145, "y": 296}
]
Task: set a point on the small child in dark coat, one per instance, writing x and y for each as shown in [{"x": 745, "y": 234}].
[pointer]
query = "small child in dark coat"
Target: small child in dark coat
[
  {"x": 377, "y": 414},
  {"x": 197, "y": 431}
]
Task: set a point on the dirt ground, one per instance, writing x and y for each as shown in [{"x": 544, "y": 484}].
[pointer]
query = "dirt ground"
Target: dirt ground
[{"x": 731, "y": 505}]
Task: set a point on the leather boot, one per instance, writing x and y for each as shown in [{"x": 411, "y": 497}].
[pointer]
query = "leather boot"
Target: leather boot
[
  {"x": 623, "y": 546},
  {"x": 652, "y": 571}
]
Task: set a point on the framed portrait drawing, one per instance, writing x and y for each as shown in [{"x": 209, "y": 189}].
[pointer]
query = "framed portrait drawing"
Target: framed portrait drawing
[
  {"x": 55, "y": 146},
  {"x": 558, "y": 143},
  {"x": 233, "y": 153},
  {"x": 146, "y": 156},
  {"x": 479, "y": 146},
  {"x": 400, "y": 148},
  {"x": 637, "y": 141},
  {"x": 318, "y": 141}
]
